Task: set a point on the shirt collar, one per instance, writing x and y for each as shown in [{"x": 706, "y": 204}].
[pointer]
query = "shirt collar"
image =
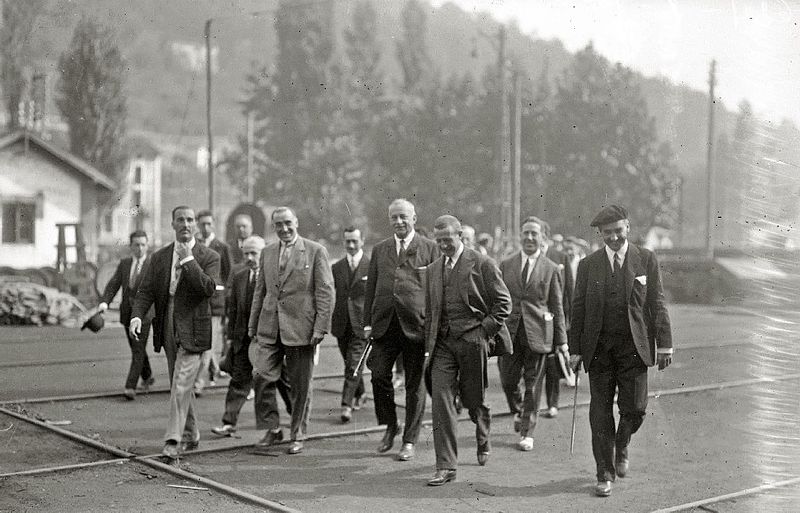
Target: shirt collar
[
  {"x": 355, "y": 259},
  {"x": 290, "y": 243},
  {"x": 622, "y": 252},
  {"x": 191, "y": 243},
  {"x": 532, "y": 258},
  {"x": 457, "y": 255},
  {"x": 407, "y": 240}
]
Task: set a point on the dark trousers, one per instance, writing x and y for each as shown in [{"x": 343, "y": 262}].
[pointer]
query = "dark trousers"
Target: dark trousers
[
  {"x": 351, "y": 347},
  {"x": 384, "y": 353},
  {"x": 459, "y": 366},
  {"x": 140, "y": 363},
  {"x": 552, "y": 381},
  {"x": 239, "y": 386},
  {"x": 616, "y": 367},
  {"x": 295, "y": 363},
  {"x": 530, "y": 367}
]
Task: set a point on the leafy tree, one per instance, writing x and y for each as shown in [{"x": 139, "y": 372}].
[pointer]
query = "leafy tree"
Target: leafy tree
[
  {"x": 605, "y": 149},
  {"x": 18, "y": 22},
  {"x": 91, "y": 96},
  {"x": 412, "y": 48}
]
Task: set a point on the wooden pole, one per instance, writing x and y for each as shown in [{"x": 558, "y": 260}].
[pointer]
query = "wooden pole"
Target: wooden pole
[
  {"x": 210, "y": 161},
  {"x": 710, "y": 161},
  {"x": 517, "y": 219}
]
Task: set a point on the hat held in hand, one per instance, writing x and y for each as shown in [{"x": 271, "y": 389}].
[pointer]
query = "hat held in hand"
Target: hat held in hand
[{"x": 94, "y": 323}]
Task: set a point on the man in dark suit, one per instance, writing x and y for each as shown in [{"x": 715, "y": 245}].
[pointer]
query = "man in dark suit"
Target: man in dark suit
[
  {"x": 620, "y": 327},
  {"x": 394, "y": 309},
  {"x": 536, "y": 323},
  {"x": 207, "y": 237},
  {"x": 179, "y": 280},
  {"x": 467, "y": 304},
  {"x": 291, "y": 313},
  {"x": 350, "y": 279},
  {"x": 127, "y": 277},
  {"x": 244, "y": 229}
]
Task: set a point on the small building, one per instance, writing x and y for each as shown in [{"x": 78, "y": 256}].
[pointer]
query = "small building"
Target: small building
[{"x": 41, "y": 186}]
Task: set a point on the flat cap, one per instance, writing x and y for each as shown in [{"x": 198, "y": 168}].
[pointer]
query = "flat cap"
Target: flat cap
[{"x": 610, "y": 214}]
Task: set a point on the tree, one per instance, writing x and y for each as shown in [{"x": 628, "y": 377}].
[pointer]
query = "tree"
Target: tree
[
  {"x": 18, "y": 21},
  {"x": 412, "y": 48},
  {"x": 91, "y": 96},
  {"x": 604, "y": 149}
]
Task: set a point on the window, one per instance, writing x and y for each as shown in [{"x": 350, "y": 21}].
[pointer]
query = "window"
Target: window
[{"x": 19, "y": 222}]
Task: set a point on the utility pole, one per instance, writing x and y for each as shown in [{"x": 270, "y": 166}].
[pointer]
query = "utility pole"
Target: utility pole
[
  {"x": 210, "y": 162},
  {"x": 503, "y": 150},
  {"x": 710, "y": 161},
  {"x": 251, "y": 195},
  {"x": 517, "y": 220}
]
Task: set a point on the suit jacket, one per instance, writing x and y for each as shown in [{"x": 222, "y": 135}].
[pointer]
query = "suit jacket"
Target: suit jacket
[
  {"x": 349, "y": 307},
  {"x": 224, "y": 252},
  {"x": 398, "y": 287},
  {"x": 121, "y": 280},
  {"x": 196, "y": 285},
  {"x": 240, "y": 300},
  {"x": 647, "y": 313},
  {"x": 531, "y": 302},
  {"x": 482, "y": 290},
  {"x": 567, "y": 280},
  {"x": 298, "y": 302}
]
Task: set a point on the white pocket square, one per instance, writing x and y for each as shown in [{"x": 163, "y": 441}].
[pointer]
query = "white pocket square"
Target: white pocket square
[
  {"x": 364, "y": 278},
  {"x": 642, "y": 279}
]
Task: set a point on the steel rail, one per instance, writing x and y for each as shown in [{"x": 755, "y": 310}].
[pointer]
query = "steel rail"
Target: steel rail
[{"x": 729, "y": 496}]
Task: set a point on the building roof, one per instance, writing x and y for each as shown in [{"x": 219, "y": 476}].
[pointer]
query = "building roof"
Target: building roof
[{"x": 76, "y": 163}]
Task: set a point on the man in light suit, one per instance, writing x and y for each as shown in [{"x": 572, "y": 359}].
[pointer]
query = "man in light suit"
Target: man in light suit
[
  {"x": 350, "y": 279},
  {"x": 466, "y": 307},
  {"x": 127, "y": 277},
  {"x": 536, "y": 323},
  {"x": 394, "y": 310},
  {"x": 179, "y": 280},
  {"x": 290, "y": 316},
  {"x": 620, "y": 326}
]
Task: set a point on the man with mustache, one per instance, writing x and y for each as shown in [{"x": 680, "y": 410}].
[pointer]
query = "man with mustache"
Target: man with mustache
[
  {"x": 180, "y": 280},
  {"x": 619, "y": 327},
  {"x": 394, "y": 310},
  {"x": 290, "y": 315}
]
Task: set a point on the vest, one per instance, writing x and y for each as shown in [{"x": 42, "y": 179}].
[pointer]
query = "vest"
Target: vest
[
  {"x": 615, "y": 309},
  {"x": 457, "y": 318}
]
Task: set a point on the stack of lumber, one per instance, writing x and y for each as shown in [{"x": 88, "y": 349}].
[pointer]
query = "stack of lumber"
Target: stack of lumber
[{"x": 33, "y": 304}]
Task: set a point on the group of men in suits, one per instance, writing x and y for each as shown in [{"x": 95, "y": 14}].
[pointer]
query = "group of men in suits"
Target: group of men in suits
[{"x": 445, "y": 307}]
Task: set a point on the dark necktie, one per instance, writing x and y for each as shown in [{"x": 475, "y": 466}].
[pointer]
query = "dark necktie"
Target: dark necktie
[
  {"x": 525, "y": 269},
  {"x": 617, "y": 266},
  {"x": 448, "y": 268},
  {"x": 402, "y": 253},
  {"x": 137, "y": 268}
]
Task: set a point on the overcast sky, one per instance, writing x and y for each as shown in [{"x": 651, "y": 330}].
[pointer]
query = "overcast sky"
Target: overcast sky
[{"x": 756, "y": 42}]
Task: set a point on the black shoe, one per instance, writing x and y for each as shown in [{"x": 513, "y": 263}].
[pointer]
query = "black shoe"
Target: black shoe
[
  {"x": 602, "y": 488},
  {"x": 271, "y": 438},
  {"x": 441, "y": 477},
  {"x": 406, "y": 453},
  {"x": 483, "y": 454},
  {"x": 621, "y": 466},
  {"x": 388, "y": 438}
]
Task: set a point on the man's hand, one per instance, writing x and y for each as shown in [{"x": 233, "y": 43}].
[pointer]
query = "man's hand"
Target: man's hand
[
  {"x": 564, "y": 349},
  {"x": 575, "y": 362},
  {"x": 183, "y": 250},
  {"x": 135, "y": 327},
  {"x": 317, "y": 338},
  {"x": 663, "y": 360},
  {"x": 102, "y": 307},
  {"x": 251, "y": 334},
  {"x": 367, "y": 332}
]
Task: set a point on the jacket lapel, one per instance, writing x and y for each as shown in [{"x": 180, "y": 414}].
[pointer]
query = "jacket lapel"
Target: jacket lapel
[
  {"x": 296, "y": 259},
  {"x": 632, "y": 263},
  {"x": 536, "y": 272},
  {"x": 465, "y": 265},
  {"x": 436, "y": 277},
  {"x": 166, "y": 265},
  {"x": 357, "y": 274},
  {"x": 412, "y": 248},
  {"x": 271, "y": 257}
]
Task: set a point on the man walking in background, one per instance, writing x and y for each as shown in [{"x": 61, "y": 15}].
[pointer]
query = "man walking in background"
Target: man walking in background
[{"x": 179, "y": 280}]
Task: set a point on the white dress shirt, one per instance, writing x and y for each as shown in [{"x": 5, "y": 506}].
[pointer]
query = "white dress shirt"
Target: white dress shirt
[
  {"x": 406, "y": 241},
  {"x": 531, "y": 261}
]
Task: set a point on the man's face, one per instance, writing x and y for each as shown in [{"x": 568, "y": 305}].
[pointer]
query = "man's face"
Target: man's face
[
  {"x": 531, "y": 237},
  {"x": 403, "y": 219},
  {"x": 570, "y": 249},
  {"x": 615, "y": 234},
  {"x": 138, "y": 247},
  {"x": 184, "y": 224},
  {"x": 285, "y": 224},
  {"x": 251, "y": 255},
  {"x": 448, "y": 239},
  {"x": 353, "y": 242},
  {"x": 206, "y": 226},
  {"x": 244, "y": 227}
]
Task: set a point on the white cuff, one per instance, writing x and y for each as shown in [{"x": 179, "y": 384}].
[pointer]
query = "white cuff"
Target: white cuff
[
  {"x": 664, "y": 350},
  {"x": 134, "y": 319},
  {"x": 187, "y": 259}
]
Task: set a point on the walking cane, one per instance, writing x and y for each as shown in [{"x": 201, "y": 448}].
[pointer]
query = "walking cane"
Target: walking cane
[
  {"x": 364, "y": 357},
  {"x": 574, "y": 412}
]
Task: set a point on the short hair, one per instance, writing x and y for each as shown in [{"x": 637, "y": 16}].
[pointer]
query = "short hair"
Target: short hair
[
  {"x": 254, "y": 240},
  {"x": 281, "y": 209},
  {"x": 447, "y": 221},
  {"x": 205, "y": 213},
  {"x": 542, "y": 224},
  {"x": 180, "y": 207},
  {"x": 351, "y": 229},
  {"x": 403, "y": 201},
  {"x": 135, "y": 234}
]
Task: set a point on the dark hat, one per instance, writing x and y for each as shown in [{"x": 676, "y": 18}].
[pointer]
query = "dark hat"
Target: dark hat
[
  {"x": 94, "y": 323},
  {"x": 609, "y": 214}
]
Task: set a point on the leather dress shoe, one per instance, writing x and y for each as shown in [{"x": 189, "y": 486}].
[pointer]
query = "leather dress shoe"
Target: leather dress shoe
[
  {"x": 483, "y": 454},
  {"x": 270, "y": 438},
  {"x": 130, "y": 394},
  {"x": 602, "y": 488},
  {"x": 442, "y": 476},
  {"x": 296, "y": 447},
  {"x": 189, "y": 445},
  {"x": 147, "y": 383},
  {"x": 170, "y": 450},
  {"x": 406, "y": 453},
  {"x": 551, "y": 413},
  {"x": 224, "y": 430},
  {"x": 621, "y": 466},
  {"x": 347, "y": 414},
  {"x": 388, "y": 438}
]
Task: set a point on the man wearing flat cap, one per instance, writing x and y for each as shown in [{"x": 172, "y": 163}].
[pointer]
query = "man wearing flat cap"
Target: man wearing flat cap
[{"x": 619, "y": 328}]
